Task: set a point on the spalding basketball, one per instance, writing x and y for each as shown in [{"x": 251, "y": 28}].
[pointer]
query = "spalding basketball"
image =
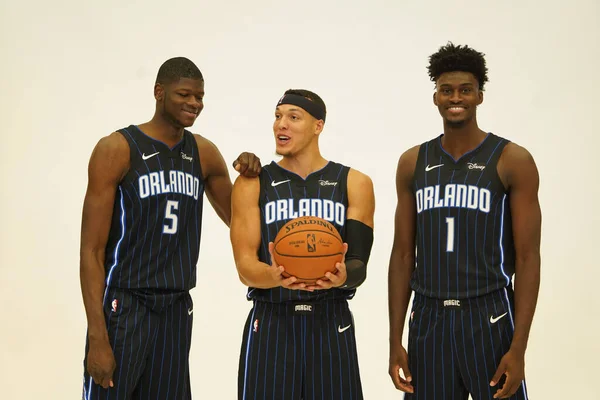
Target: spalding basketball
[{"x": 308, "y": 247}]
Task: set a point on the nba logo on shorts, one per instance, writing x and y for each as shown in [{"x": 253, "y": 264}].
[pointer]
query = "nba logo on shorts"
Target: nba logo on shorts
[
  {"x": 114, "y": 305},
  {"x": 311, "y": 242},
  {"x": 256, "y": 325}
]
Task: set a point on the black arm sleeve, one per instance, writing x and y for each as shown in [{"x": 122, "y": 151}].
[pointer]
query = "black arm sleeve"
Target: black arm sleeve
[{"x": 360, "y": 241}]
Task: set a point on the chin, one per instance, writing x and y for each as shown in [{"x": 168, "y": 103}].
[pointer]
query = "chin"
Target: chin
[
  {"x": 456, "y": 122},
  {"x": 187, "y": 123},
  {"x": 283, "y": 152},
  {"x": 182, "y": 121}
]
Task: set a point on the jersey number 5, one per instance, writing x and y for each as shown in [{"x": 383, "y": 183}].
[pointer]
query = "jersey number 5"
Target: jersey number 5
[
  {"x": 450, "y": 241},
  {"x": 171, "y": 227}
]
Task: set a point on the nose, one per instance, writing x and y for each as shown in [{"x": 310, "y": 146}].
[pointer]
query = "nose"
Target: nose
[
  {"x": 195, "y": 103},
  {"x": 455, "y": 96},
  {"x": 281, "y": 123}
]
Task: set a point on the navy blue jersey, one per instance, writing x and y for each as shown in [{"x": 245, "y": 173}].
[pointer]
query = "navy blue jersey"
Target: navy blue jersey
[
  {"x": 285, "y": 196},
  {"x": 464, "y": 233},
  {"x": 154, "y": 237}
]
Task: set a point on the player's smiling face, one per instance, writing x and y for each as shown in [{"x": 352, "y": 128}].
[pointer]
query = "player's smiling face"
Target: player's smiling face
[
  {"x": 294, "y": 129},
  {"x": 182, "y": 101},
  {"x": 457, "y": 96}
]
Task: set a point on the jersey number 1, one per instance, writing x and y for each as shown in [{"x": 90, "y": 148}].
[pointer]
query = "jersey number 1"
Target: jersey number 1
[
  {"x": 171, "y": 227},
  {"x": 450, "y": 241}
]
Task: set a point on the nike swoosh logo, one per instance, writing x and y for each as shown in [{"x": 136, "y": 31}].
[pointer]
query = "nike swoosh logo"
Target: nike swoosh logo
[
  {"x": 428, "y": 168},
  {"x": 190, "y": 311},
  {"x": 273, "y": 183},
  {"x": 145, "y": 157},
  {"x": 340, "y": 329},
  {"x": 494, "y": 320}
]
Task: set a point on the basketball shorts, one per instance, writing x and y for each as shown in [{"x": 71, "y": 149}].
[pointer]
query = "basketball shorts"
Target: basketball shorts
[
  {"x": 299, "y": 351},
  {"x": 151, "y": 349},
  {"x": 455, "y": 346}
]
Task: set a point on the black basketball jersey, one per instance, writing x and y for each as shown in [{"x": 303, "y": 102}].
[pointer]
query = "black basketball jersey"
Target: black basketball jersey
[
  {"x": 284, "y": 196},
  {"x": 154, "y": 237},
  {"x": 463, "y": 228}
]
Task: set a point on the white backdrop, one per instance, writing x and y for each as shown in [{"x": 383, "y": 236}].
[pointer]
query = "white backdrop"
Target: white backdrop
[{"x": 74, "y": 71}]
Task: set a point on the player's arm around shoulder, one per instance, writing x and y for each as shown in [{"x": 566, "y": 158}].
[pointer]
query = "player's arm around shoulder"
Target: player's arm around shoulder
[{"x": 216, "y": 178}]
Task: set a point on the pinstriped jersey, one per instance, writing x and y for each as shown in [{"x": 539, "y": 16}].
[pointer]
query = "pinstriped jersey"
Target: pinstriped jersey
[
  {"x": 463, "y": 228},
  {"x": 154, "y": 237},
  {"x": 284, "y": 196}
]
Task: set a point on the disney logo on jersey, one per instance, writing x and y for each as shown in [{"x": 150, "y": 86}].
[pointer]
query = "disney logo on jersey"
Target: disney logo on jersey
[
  {"x": 475, "y": 166},
  {"x": 186, "y": 157},
  {"x": 326, "y": 183},
  {"x": 453, "y": 195},
  {"x": 286, "y": 209}
]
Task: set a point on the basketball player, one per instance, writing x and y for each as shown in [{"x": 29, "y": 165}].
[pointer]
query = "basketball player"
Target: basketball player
[
  {"x": 142, "y": 220},
  {"x": 467, "y": 200},
  {"x": 299, "y": 341}
]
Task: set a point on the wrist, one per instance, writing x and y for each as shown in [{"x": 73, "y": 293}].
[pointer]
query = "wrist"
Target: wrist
[
  {"x": 396, "y": 339},
  {"x": 342, "y": 285},
  {"x": 273, "y": 280},
  {"x": 518, "y": 347},
  {"x": 97, "y": 337}
]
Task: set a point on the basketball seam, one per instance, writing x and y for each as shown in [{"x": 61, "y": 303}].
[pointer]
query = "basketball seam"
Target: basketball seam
[
  {"x": 317, "y": 256},
  {"x": 309, "y": 280}
]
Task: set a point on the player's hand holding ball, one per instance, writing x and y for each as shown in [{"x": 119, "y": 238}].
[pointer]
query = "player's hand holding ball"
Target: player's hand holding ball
[
  {"x": 335, "y": 279},
  {"x": 276, "y": 271},
  {"x": 312, "y": 252}
]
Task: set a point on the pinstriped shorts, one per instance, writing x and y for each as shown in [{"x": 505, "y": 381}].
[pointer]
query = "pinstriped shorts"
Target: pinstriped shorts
[
  {"x": 294, "y": 351},
  {"x": 455, "y": 346}
]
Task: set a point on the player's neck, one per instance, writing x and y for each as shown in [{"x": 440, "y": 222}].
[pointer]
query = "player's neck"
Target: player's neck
[
  {"x": 304, "y": 164},
  {"x": 160, "y": 129},
  {"x": 458, "y": 141}
]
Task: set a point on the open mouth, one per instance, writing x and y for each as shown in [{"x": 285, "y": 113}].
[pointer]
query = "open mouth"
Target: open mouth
[
  {"x": 456, "y": 109},
  {"x": 282, "y": 139}
]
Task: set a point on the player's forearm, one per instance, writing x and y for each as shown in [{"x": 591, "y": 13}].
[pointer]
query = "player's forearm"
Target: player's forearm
[
  {"x": 225, "y": 216},
  {"x": 254, "y": 273},
  {"x": 527, "y": 283},
  {"x": 222, "y": 205},
  {"x": 92, "y": 277},
  {"x": 399, "y": 292}
]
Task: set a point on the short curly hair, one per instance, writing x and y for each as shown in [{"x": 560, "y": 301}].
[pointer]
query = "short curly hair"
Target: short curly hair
[
  {"x": 450, "y": 58},
  {"x": 176, "y": 68}
]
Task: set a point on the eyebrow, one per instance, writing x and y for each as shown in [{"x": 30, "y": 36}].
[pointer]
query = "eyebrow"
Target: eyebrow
[{"x": 189, "y": 90}]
